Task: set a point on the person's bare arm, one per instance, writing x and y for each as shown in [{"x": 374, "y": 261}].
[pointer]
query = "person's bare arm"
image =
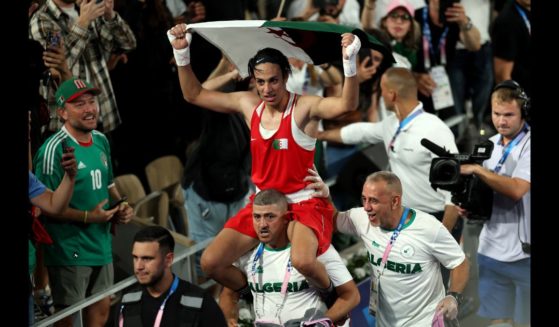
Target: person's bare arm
[
  {"x": 511, "y": 187},
  {"x": 348, "y": 298},
  {"x": 331, "y": 135},
  {"x": 450, "y": 217},
  {"x": 228, "y": 300},
  {"x": 368, "y": 14},
  {"x": 331, "y": 107},
  {"x": 502, "y": 69},
  {"x": 56, "y": 202},
  {"x": 95, "y": 215},
  {"x": 425, "y": 84},
  {"x": 55, "y": 59},
  {"x": 448, "y": 306},
  {"x": 330, "y": 76},
  {"x": 125, "y": 212},
  {"x": 471, "y": 37},
  {"x": 459, "y": 277},
  {"x": 217, "y": 82},
  {"x": 193, "y": 91}
]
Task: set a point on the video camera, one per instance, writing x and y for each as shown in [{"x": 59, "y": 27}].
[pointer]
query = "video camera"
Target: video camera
[{"x": 468, "y": 191}]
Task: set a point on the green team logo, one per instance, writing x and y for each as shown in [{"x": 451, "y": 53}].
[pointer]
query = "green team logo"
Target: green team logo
[
  {"x": 401, "y": 268},
  {"x": 276, "y": 287},
  {"x": 259, "y": 270},
  {"x": 407, "y": 251},
  {"x": 280, "y": 144},
  {"x": 375, "y": 244},
  {"x": 104, "y": 160}
]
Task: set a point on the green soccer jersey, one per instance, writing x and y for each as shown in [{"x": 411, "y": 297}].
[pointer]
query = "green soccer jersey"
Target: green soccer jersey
[{"x": 76, "y": 243}]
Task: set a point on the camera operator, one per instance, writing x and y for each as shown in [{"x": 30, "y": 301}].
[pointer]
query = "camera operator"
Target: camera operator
[{"x": 504, "y": 242}]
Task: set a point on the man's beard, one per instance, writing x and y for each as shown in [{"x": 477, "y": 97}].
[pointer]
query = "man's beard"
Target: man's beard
[{"x": 156, "y": 279}]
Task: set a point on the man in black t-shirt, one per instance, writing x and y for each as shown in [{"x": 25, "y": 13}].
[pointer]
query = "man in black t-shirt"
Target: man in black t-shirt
[
  {"x": 511, "y": 41},
  {"x": 162, "y": 299}
]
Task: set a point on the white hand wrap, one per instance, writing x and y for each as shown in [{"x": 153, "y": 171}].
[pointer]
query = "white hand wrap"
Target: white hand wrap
[
  {"x": 182, "y": 56},
  {"x": 350, "y": 64}
]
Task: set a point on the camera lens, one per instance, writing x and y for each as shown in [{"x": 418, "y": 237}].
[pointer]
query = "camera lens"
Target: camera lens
[{"x": 445, "y": 171}]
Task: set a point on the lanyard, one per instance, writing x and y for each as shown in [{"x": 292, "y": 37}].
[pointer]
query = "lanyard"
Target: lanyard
[
  {"x": 427, "y": 48},
  {"x": 403, "y": 124},
  {"x": 393, "y": 240},
  {"x": 286, "y": 277},
  {"x": 509, "y": 147},
  {"x": 255, "y": 260},
  {"x": 524, "y": 17},
  {"x": 159, "y": 316},
  {"x": 288, "y": 268},
  {"x": 162, "y": 307}
]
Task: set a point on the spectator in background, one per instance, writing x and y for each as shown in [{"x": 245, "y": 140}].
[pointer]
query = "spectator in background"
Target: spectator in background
[
  {"x": 471, "y": 72},
  {"x": 375, "y": 10},
  {"x": 51, "y": 203},
  {"x": 216, "y": 184},
  {"x": 400, "y": 26},
  {"x": 194, "y": 12},
  {"x": 511, "y": 37},
  {"x": 437, "y": 49},
  {"x": 343, "y": 12},
  {"x": 90, "y": 35},
  {"x": 47, "y": 65},
  {"x": 162, "y": 298},
  {"x": 79, "y": 261}
]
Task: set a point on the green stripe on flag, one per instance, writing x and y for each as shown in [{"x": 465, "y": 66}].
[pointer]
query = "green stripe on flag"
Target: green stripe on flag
[{"x": 321, "y": 27}]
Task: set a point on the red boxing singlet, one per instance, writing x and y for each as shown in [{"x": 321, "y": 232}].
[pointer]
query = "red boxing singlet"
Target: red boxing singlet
[{"x": 279, "y": 162}]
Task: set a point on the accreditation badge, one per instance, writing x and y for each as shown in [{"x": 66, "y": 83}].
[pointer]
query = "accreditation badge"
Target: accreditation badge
[{"x": 442, "y": 94}]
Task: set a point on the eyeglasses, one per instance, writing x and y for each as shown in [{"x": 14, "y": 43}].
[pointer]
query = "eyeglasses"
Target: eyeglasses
[{"x": 395, "y": 16}]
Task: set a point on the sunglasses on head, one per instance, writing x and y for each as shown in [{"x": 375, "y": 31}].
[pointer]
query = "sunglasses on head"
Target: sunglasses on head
[{"x": 395, "y": 15}]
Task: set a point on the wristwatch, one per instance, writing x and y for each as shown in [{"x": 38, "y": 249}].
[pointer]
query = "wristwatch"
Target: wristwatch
[
  {"x": 468, "y": 25},
  {"x": 458, "y": 296}
]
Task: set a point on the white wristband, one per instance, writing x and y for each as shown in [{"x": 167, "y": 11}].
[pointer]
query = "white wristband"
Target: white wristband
[
  {"x": 350, "y": 64},
  {"x": 182, "y": 56},
  {"x": 350, "y": 67}
]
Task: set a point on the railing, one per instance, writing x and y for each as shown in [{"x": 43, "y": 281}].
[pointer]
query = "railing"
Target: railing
[{"x": 186, "y": 254}]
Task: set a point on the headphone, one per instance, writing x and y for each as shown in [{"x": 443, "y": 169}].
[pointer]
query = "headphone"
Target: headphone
[{"x": 518, "y": 93}]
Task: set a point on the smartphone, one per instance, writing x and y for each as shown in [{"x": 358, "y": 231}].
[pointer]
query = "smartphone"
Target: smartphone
[
  {"x": 53, "y": 40},
  {"x": 363, "y": 54},
  {"x": 117, "y": 203},
  {"x": 65, "y": 146},
  {"x": 443, "y": 6}
]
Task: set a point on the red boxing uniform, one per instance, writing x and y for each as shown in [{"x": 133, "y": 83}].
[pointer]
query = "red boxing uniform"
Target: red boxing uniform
[{"x": 280, "y": 163}]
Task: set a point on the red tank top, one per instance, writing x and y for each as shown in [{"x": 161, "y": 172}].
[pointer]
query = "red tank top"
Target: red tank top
[{"x": 278, "y": 162}]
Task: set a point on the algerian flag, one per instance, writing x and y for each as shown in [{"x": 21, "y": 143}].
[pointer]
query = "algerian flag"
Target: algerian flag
[
  {"x": 280, "y": 144},
  {"x": 312, "y": 42}
]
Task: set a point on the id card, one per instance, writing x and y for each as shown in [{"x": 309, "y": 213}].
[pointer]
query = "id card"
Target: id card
[
  {"x": 373, "y": 300},
  {"x": 442, "y": 94}
]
